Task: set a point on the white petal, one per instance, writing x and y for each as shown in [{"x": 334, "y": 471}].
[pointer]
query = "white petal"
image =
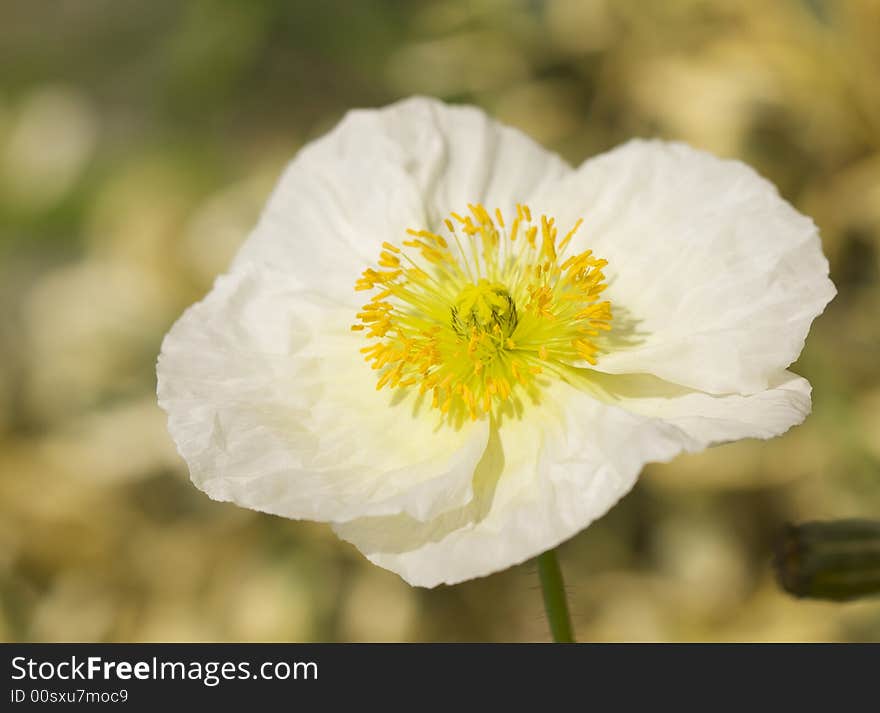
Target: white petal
[
  {"x": 272, "y": 406},
  {"x": 709, "y": 419},
  {"x": 542, "y": 479},
  {"x": 381, "y": 171},
  {"x": 714, "y": 279}
]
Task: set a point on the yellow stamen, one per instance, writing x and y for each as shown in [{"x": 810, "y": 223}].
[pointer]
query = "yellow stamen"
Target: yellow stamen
[{"x": 477, "y": 327}]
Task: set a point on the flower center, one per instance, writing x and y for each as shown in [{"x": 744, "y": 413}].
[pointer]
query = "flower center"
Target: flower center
[
  {"x": 486, "y": 307},
  {"x": 475, "y": 319}
]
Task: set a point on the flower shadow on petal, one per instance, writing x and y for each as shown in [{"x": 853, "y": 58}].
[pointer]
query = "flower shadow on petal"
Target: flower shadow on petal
[
  {"x": 396, "y": 534},
  {"x": 624, "y": 330}
]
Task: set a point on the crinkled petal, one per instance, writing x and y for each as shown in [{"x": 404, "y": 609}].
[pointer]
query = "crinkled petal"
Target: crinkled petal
[
  {"x": 714, "y": 279},
  {"x": 542, "y": 479},
  {"x": 709, "y": 419},
  {"x": 381, "y": 171},
  {"x": 272, "y": 407}
]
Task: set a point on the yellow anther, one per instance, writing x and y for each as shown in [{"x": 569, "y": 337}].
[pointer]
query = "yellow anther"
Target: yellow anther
[
  {"x": 569, "y": 235},
  {"x": 530, "y": 235}
]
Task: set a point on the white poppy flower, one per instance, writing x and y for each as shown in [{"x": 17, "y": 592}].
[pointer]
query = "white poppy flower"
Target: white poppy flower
[{"x": 460, "y": 351}]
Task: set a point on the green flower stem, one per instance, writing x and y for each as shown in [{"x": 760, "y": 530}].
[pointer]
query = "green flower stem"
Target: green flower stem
[{"x": 555, "y": 603}]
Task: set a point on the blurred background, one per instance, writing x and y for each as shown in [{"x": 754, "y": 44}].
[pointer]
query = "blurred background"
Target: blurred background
[{"x": 138, "y": 142}]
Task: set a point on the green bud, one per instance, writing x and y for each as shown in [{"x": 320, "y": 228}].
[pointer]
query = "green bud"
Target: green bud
[{"x": 838, "y": 559}]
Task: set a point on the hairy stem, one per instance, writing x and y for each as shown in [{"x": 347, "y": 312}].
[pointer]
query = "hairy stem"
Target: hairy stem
[{"x": 555, "y": 603}]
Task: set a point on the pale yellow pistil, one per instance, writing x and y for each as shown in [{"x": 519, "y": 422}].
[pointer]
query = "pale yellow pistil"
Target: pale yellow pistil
[{"x": 474, "y": 319}]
